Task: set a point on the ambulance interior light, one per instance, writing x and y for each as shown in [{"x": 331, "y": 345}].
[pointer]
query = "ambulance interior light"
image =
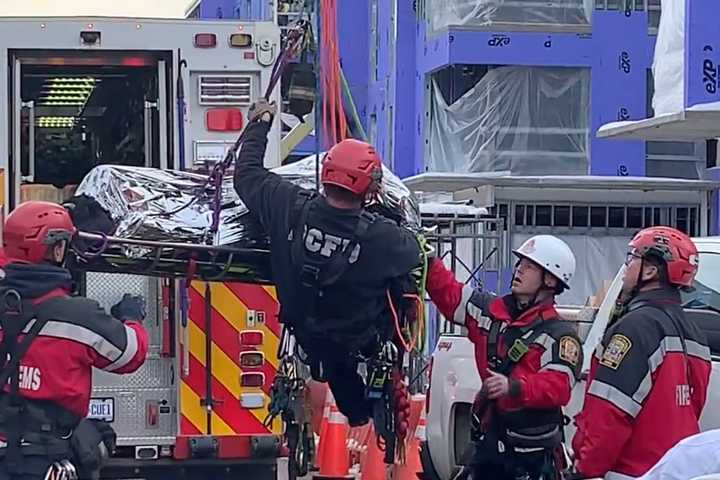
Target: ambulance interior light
[{"x": 90, "y": 37}]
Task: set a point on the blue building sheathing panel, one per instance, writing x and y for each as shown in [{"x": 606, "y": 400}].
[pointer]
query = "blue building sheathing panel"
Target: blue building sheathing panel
[
  {"x": 391, "y": 96},
  {"x": 601, "y": 52}
]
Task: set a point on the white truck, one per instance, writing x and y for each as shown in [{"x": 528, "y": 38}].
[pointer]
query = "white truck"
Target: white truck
[
  {"x": 168, "y": 94},
  {"x": 454, "y": 379}
]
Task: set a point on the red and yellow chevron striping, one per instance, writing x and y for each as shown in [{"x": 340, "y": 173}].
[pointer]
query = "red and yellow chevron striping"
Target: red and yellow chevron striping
[{"x": 229, "y": 317}]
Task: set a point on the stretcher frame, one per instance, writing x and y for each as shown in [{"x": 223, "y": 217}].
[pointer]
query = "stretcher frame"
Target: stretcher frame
[{"x": 209, "y": 263}]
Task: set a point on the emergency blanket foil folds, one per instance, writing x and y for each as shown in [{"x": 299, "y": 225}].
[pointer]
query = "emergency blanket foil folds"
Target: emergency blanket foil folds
[{"x": 175, "y": 206}]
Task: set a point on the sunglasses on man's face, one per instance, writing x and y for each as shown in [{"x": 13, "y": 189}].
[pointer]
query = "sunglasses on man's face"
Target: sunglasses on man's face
[{"x": 630, "y": 255}]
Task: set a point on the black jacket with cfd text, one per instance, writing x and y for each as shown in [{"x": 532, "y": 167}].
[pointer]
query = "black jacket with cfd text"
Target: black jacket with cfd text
[{"x": 357, "y": 301}]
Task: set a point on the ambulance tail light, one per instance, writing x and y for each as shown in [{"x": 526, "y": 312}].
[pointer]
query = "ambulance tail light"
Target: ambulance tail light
[
  {"x": 252, "y": 380},
  {"x": 205, "y": 40},
  {"x": 251, "y": 359},
  {"x": 252, "y": 338},
  {"x": 224, "y": 120}
]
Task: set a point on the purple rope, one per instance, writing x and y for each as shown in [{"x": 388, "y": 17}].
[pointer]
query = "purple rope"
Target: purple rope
[
  {"x": 94, "y": 252},
  {"x": 218, "y": 172}
]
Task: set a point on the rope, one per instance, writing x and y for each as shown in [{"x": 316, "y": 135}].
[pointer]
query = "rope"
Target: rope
[
  {"x": 333, "y": 114},
  {"x": 353, "y": 108},
  {"x": 296, "y": 40},
  {"x": 408, "y": 346},
  {"x": 417, "y": 330},
  {"x": 91, "y": 251}
]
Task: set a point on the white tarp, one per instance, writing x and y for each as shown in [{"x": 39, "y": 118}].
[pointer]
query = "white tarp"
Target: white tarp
[
  {"x": 525, "y": 120},
  {"x": 445, "y": 13},
  {"x": 690, "y": 458},
  {"x": 669, "y": 61}
]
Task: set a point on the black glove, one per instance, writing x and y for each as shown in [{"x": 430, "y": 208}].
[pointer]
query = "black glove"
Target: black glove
[
  {"x": 131, "y": 307},
  {"x": 262, "y": 110},
  {"x": 574, "y": 475},
  {"x": 87, "y": 442},
  {"x": 108, "y": 435}
]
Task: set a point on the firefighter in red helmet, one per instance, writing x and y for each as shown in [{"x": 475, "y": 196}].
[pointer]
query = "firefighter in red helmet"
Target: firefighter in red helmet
[
  {"x": 50, "y": 344},
  {"x": 649, "y": 377},
  {"x": 332, "y": 260}
]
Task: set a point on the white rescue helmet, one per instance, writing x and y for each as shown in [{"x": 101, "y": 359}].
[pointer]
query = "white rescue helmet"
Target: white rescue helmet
[{"x": 550, "y": 253}]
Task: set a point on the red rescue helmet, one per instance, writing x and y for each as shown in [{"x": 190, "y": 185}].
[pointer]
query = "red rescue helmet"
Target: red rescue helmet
[
  {"x": 352, "y": 165},
  {"x": 672, "y": 246},
  {"x": 33, "y": 227}
]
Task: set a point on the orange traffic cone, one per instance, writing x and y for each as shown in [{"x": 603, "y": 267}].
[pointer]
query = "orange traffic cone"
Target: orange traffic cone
[
  {"x": 329, "y": 400},
  {"x": 357, "y": 439},
  {"x": 420, "y": 430},
  {"x": 417, "y": 405},
  {"x": 335, "y": 462},
  {"x": 372, "y": 463},
  {"x": 317, "y": 393}
]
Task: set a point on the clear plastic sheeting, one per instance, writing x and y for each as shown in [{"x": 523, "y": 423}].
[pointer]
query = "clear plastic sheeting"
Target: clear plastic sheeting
[
  {"x": 597, "y": 261},
  {"x": 468, "y": 13},
  {"x": 524, "y": 120},
  {"x": 668, "y": 64}
]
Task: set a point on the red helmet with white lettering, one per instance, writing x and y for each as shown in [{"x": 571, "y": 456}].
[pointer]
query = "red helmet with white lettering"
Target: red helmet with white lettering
[
  {"x": 34, "y": 227},
  {"x": 672, "y": 246},
  {"x": 352, "y": 165}
]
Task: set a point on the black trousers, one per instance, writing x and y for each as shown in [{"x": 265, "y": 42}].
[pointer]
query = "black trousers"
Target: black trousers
[
  {"x": 339, "y": 370},
  {"x": 31, "y": 468},
  {"x": 516, "y": 466}
]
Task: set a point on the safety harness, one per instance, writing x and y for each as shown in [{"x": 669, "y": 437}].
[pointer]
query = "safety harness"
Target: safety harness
[
  {"x": 522, "y": 431},
  {"x": 317, "y": 275},
  {"x": 288, "y": 393},
  {"x": 31, "y": 427}
]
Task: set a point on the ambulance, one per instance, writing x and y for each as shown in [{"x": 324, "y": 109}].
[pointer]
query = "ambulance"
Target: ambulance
[{"x": 167, "y": 94}]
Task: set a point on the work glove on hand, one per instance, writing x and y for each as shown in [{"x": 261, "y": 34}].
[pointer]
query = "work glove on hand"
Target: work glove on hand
[
  {"x": 108, "y": 435},
  {"x": 131, "y": 307},
  {"x": 262, "y": 110}
]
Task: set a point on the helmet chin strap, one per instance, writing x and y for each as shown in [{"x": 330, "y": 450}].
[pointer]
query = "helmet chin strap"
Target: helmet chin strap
[
  {"x": 639, "y": 283},
  {"x": 533, "y": 300}
]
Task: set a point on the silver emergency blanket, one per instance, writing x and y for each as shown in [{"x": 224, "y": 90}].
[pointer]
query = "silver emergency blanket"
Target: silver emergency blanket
[{"x": 176, "y": 206}]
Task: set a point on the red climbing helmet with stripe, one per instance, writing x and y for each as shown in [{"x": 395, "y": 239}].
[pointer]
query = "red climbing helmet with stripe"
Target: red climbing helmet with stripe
[
  {"x": 352, "y": 165},
  {"x": 34, "y": 227},
  {"x": 672, "y": 246}
]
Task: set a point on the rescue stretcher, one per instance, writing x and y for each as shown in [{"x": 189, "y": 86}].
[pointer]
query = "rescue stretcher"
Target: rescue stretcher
[
  {"x": 163, "y": 223},
  {"x": 174, "y": 260}
]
